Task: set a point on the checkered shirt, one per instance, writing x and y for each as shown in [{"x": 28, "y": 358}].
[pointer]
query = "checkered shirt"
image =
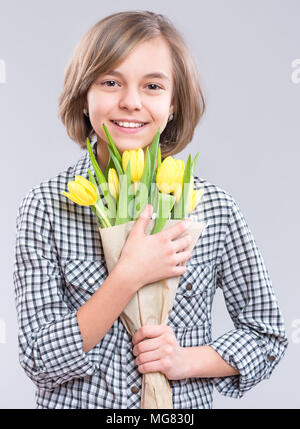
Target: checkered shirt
[{"x": 59, "y": 264}]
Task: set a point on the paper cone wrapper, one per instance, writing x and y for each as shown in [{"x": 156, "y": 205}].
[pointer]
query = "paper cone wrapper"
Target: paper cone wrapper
[{"x": 150, "y": 305}]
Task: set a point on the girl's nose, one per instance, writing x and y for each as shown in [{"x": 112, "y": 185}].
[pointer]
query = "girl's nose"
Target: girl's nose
[{"x": 130, "y": 99}]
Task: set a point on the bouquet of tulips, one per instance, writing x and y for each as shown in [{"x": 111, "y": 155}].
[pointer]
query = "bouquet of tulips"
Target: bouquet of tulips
[{"x": 129, "y": 183}]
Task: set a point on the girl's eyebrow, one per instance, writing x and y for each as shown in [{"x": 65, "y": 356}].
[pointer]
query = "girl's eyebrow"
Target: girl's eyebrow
[{"x": 159, "y": 75}]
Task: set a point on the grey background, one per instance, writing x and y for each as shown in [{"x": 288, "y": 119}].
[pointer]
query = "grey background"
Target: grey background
[{"x": 248, "y": 142}]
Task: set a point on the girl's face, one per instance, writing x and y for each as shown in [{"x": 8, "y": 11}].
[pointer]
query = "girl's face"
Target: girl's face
[{"x": 127, "y": 94}]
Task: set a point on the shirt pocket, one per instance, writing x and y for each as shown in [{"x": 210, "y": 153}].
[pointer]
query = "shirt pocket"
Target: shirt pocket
[
  {"x": 190, "y": 306},
  {"x": 83, "y": 277}
]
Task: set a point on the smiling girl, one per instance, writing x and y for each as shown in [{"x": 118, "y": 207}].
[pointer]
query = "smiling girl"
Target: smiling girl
[
  {"x": 133, "y": 72},
  {"x": 134, "y": 99}
]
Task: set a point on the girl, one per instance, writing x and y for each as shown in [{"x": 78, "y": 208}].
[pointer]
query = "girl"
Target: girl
[{"x": 134, "y": 72}]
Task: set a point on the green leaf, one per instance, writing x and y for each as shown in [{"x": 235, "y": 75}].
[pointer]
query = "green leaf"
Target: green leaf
[
  {"x": 100, "y": 221},
  {"x": 122, "y": 211},
  {"x": 147, "y": 166},
  {"x": 180, "y": 208},
  {"x": 140, "y": 200},
  {"x": 194, "y": 164},
  {"x": 153, "y": 153},
  {"x": 112, "y": 145},
  {"x": 101, "y": 216},
  {"x": 153, "y": 199},
  {"x": 165, "y": 205},
  {"x": 102, "y": 182},
  {"x": 97, "y": 169},
  {"x": 142, "y": 194},
  {"x": 105, "y": 218},
  {"x": 109, "y": 165},
  {"x": 159, "y": 156},
  {"x": 117, "y": 163},
  {"x": 92, "y": 179},
  {"x": 148, "y": 162}
]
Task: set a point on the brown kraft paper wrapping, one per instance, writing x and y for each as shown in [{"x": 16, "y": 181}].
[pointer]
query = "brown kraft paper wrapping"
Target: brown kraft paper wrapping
[{"x": 150, "y": 305}]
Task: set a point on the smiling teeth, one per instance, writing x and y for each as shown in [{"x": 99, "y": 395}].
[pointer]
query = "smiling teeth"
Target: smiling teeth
[{"x": 128, "y": 124}]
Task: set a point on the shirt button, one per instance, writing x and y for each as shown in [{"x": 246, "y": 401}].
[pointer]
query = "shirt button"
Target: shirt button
[
  {"x": 134, "y": 389},
  {"x": 271, "y": 358},
  {"x": 91, "y": 281},
  {"x": 189, "y": 286}
]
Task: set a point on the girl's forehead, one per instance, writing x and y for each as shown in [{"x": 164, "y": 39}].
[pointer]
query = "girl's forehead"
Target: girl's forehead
[
  {"x": 155, "y": 51},
  {"x": 145, "y": 60}
]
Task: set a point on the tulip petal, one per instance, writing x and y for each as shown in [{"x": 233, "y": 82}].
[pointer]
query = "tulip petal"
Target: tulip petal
[
  {"x": 81, "y": 194},
  {"x": 177, "y": 192},
  {"x": 125, "y": 158},
  {"x": 88, "y": 186},
  {"x": 133, "y": 165},
  {"x": 73, "y": 198},
  {"x": 111, "y": 186},
  {"x": 116, "y": 182},
  {"x": 113, "y": 183},
  {"x": 197, "y": 197},
  {"x": 169, "y": 174}
]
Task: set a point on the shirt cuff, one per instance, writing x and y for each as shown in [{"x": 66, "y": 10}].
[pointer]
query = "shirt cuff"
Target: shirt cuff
[
  {"x": 248, "y": 353},
  {"x": 58, "y": 355}
]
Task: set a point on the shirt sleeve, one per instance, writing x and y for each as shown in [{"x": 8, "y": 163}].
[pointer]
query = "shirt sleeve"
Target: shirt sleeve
[
  {"x": 259, "y": 341},
  {"x": 50, "y": 342}
]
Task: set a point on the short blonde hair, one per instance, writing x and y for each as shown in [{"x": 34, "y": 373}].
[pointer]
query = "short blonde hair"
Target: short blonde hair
[{"x": 106, "y": 45}]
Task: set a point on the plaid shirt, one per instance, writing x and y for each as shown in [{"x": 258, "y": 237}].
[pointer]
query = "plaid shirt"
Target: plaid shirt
[{"x": 59, "y": 264}]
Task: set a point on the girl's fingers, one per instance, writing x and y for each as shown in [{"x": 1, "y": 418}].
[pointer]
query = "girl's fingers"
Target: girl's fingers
[
  {"x": 183, "y": 257},
  {"x": 174, "y": 231},
  {"x": 182, "y": 243},
  {"x": 155, "y": 366},
  {"x": 149, "y": 331},
  {"x": 146, "y": 345},
  {"x": 149, "y": 356}
]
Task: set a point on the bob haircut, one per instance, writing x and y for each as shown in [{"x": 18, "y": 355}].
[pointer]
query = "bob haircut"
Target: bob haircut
[{"x": 104, "y": 47}]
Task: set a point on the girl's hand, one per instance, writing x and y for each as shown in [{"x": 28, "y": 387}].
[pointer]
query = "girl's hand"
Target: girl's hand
[
  {"x": 149, "y": 258},
  {"x": 157, "y": 350}
]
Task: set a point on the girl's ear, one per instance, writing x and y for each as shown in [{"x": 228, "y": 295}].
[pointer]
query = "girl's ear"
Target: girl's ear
[{"x": 171, "y": 110}]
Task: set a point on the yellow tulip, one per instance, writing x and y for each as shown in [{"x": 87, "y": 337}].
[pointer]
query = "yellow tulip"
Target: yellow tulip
[
  {"x": 82, "y": 192},
  {"x": 113, "y": 182},
  {"x": 136, "y": 158},
  {"x": 169, "y": 176},
  {"x": 194, "y": 199}
]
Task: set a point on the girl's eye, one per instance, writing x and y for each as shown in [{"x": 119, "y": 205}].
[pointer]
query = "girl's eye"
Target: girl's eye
[
  {"x": 112, "y": 86},
  {"x": 108, "y": 81},
  {"x": 154, "y": 84}
]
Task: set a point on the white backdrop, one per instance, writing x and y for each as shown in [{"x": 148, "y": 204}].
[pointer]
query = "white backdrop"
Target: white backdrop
[{"x": 248, "y": 54}]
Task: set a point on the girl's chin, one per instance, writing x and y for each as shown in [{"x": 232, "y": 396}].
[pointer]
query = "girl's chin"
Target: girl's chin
[{"x": 130, "y": 144}]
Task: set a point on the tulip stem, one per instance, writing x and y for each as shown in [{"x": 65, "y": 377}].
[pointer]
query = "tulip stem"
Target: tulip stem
[{"x": 102, "y": 216}]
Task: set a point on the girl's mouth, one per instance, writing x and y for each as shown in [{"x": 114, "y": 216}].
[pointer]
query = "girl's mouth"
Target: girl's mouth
[{"x": 128, "y": 130}]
